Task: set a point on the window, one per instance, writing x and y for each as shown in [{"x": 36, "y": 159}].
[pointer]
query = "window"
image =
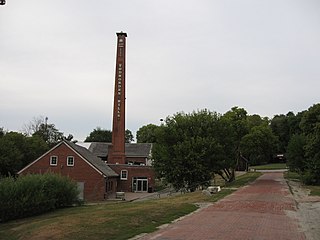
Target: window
[
  {"x": 53, "y": 161},
  {"x": 124, "y": 175},
  {"x": 70, "y": 161}
]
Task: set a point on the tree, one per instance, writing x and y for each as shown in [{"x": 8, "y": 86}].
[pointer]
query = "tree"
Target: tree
[
  {"x": 191, "y": 147},
  {"x": 147, "y": 134},
  {"x": 99, "y": 135},
  {"x": 18, "y": 150},
  {"x": 259, "y": 145},
  {"x": 102, "y": 135},
  {"x": 128, "y": 136},
  {"x": 255, "y": 120},
  {"x": 280, "y": 127},
  {"x": 296, "y": 160},
  {"x": 47, "y": 131},
  {"x": 284, "y": 127},
  {"x": 11, "y": 155},
  {"x": 236, "y": 123},
  {"x": 310, "y": 125}
]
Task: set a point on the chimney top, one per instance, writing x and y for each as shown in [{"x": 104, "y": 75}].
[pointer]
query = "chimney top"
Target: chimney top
[{"x": 121, "y": 34}]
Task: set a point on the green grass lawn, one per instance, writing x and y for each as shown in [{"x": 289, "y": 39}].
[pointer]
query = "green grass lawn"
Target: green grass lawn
[
  {"x": 315, "y": 190},
  {"x": 273, "y": 166},
  {"x": 120, "y": 220}
]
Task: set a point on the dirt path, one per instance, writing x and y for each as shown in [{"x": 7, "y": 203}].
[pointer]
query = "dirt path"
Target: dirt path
[
  {"x": 263, "y": 210},
  {"x": 308, "y": 210}
]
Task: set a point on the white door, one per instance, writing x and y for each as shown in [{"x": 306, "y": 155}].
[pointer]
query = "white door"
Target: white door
[{"x": 81, "y": 189}]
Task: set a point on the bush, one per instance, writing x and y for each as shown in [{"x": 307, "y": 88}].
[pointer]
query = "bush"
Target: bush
[{"x": 34, "y": 194}]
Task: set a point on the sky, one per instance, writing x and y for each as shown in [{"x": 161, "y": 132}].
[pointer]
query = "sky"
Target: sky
[{"x": 57, "y": 59}]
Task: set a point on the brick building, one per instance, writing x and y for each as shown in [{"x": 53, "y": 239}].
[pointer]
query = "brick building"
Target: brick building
[
  {"x": 101, "y": 169},
  {"x": 95, "y": 179},
  {"x": 87, "y": 165},
  {"x": 135, "y": 173}
]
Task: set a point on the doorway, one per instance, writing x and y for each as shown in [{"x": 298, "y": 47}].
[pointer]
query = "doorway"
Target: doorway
[{"x": 140, "y": 184}]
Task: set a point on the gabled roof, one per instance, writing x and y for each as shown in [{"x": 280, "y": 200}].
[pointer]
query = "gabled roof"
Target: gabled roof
[
  {"x": 86, "y": 155},
  {"x": 94, "y": 160},
  {"x": 100, "y": 149}
]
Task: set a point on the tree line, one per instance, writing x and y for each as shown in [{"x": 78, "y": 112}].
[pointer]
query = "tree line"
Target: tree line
[{"x": 189, "y": 148}]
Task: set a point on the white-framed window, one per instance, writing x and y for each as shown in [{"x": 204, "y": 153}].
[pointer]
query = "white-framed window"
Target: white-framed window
[
  {"x": 124, "y": 175},
  {"x": 53, "y": 161},
  {"x": 70, "y": 161}
]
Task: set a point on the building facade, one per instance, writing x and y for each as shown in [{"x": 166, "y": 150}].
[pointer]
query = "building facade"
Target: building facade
[{"x": 96, "y": 180}]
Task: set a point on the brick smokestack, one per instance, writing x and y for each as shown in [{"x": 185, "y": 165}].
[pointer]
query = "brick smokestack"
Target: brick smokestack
[{"x": 117, "y": 151}]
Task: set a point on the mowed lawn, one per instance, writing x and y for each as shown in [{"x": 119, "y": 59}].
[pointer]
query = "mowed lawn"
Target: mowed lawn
[
  {"x": 272, "y": 166},
  {"x": 120, "y": 220}
]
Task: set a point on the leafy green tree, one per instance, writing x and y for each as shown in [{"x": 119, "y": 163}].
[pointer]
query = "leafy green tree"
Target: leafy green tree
[
  {"x": 191, "y": 147},
  {"x": 99, "y": 135},
  {"x": 10, "y": 156},
  {"x": 147, "y": 134},
  {"x": 128, "y": 136},
  {"x": 39, "y": 126},
  {"x": 280, "y": 127},
  {"x": 18, "y": 150},
  {"x": 296, "y": 160},
  {"x": 102, "y": 135},
  {"x": 310, "y": 125},
  {"x": 259, "y": 145},
  {"x": 49, "y": 133},
  {"x": 284, "y": 127},
  {"x": 236, "y": 122},
  {"x": 255, "y": 120},
  {"x": 35, "y": 147}
]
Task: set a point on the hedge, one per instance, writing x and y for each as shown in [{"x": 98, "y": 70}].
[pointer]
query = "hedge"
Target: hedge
[{"x": 35, "y": 194}]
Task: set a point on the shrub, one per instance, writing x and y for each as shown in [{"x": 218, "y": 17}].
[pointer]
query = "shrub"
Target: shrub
[{"x": 34, "y": 194}]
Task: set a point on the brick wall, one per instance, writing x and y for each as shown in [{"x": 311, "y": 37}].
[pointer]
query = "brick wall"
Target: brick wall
[
  {"x": 133, "y": 171},
  {"x": 94, "y": 182}
]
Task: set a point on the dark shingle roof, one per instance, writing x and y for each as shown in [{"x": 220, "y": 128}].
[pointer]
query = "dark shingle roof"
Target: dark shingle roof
[
  {"x": 94, "y": 160},
  {"x": 138, "y": 149},
  {"x": 100, "y": 149}
]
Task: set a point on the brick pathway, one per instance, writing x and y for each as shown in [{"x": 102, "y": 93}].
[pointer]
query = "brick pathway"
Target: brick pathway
[{"x": 258, "y": 211}]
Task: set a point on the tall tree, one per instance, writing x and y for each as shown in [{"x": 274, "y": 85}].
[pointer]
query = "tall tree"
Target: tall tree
[
  {"x": 189, "y": 148},
  {"x": 99, "y": 135},
  {"x": 236, "y": 122},
  {"x": 39, "y": 126},
  {"x": 129, "y": 136},
  {"x": 49, "y": 133},
  {"x": 310, "y": 125},
  {"x": 259, "y": 145},
  {"x": 255, "y": 120},
  {"x": 18, "y": 150},
  {"x": 296, "y": 160},
  {"x": 147, "y": 134},
  {"x": 284, "y": 127}
]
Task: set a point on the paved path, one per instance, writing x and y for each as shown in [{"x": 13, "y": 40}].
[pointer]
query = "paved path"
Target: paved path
[{"x": 263, "y": 210}]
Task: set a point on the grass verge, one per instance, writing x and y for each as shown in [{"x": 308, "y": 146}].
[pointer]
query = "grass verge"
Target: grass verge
[
  {"x": 315, "y": 190},
  {"x": 293, "y": 176},
  {"x": 273, "y": 166},
  {"x": 120, "y": 220}
]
